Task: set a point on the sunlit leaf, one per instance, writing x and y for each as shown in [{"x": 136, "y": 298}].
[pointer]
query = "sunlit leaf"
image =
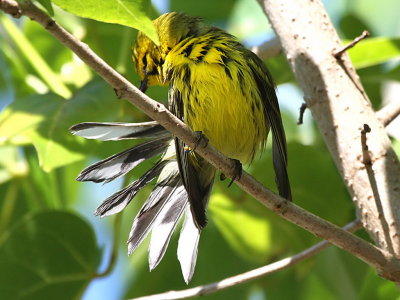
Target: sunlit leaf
[
  {"x": 374, "y": 51},
  {"x": 48, "y": 255},
  {"x": 123, "y": 12},
  {"x": 44, "y": 121},
  {"x": 12, "y": 163},
  {"x": 35, "y": 58},
  {"x": 249, "y": 234}
]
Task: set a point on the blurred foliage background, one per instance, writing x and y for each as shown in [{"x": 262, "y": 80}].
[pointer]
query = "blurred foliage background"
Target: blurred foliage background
[{"x": 51, "y": 245}]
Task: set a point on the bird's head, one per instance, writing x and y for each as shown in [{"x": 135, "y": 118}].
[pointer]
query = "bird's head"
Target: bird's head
[{"x": 172, "y": 28}]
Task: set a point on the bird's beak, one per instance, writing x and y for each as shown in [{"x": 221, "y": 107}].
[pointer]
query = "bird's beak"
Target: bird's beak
[{"x": 143, "y": 85}]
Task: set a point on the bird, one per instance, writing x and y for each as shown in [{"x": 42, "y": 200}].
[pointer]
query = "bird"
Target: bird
[{"x": 222, "y": 91}]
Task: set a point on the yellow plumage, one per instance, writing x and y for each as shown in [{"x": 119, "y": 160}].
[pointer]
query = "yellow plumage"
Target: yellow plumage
[{"x": 217, "y": 87}]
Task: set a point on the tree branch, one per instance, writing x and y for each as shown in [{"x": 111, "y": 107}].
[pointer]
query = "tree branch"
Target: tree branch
[
  {"x": 382, "y": 261},
  {"x": 354, "y": 42},
  {"x": 250, "y": 275},
  {"x": 340, "y": 108},
  {"x": 268, "y": 49},
  {"x": 389, "y": 112}
]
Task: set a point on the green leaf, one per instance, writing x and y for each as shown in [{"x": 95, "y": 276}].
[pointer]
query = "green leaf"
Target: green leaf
[
  {"x": 43, "y": 120},
  {"x": 235, "y": 221},
  {"x": 47, "y": 5},
  {"x": 52, "y": 79},
  {"x": 374, "y": 51},
  {"x": 6, "y": 86},
  {"x": 351, "y": 25},
  {"x": 377, "y": 288},
  {"x": 12, "y": 163},
  {"x": 48, "y": 255},
  {"x": 124, "y": 12},
  {"x": 202, "y": 8},
  {"x": 393, "y": 74},
  {"x": 340, "y": 282},
  {"x": 280, "y": 69},
  {"x": 396, "y": 147},
  {"x": 247, "y": 21},
  {"x": 315, "y": 181}
]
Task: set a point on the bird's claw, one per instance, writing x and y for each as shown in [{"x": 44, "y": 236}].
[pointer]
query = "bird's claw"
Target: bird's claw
[{"x": 237, "y": 171}]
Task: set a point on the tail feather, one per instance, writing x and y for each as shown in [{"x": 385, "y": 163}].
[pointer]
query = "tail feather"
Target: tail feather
[
  {"x": 119, "y": 131},
  {"x": 119, "y": 164}
]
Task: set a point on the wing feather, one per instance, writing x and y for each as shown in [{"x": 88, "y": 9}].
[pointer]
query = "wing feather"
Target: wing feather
[
  {"x": 198, "y": 189},
  {"x": 272, "y": 114},
  {"x": 188, "y": 245},
  {"x": 159, "y": 197},
  {"x": 119, "y": 164},
  {"x": 118, "y": 201},
  {"x": 165, "y": 225},
  {"x": 118, "y": 131}
]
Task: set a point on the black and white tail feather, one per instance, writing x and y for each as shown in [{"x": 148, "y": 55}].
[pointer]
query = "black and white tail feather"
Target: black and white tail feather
[{"x": 165, "y": 205}]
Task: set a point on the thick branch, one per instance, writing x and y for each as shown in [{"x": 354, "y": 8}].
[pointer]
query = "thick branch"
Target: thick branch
[
  {"x": 377, "y": 258},
  {"x": 340, "y": 108}
]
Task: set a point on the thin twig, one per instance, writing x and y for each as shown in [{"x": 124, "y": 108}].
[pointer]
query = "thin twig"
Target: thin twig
[
  {"x": 366, "y": 156},
  {"x": 376, "y": 196},
  {"x": 389, "y": 112},
  {"x": 247, "y": 276},
  {"x": 382, "y": 261},
  {"x": 302, "y": 109},
  {"x": 354, "y": 42}
]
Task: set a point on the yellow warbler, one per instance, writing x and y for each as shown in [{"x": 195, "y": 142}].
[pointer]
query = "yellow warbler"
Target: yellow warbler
[{"x": 217, "y": 87}]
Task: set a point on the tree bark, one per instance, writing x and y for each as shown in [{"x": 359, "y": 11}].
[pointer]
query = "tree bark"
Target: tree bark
[{"x": 333, "y": 92}]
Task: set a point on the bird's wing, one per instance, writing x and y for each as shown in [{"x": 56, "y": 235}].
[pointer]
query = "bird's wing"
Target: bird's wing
[
  {"x": 197, "y": 188},
  {"x": 272, "y": 113}
]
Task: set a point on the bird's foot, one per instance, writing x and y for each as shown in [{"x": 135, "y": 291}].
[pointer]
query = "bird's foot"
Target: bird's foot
[
  {"x": 201, "y": 140},
  {"x": 237, "y": 172}
]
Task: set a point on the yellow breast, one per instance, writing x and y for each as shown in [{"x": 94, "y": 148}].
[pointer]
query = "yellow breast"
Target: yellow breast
[{"x": 220, "y": 99}]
